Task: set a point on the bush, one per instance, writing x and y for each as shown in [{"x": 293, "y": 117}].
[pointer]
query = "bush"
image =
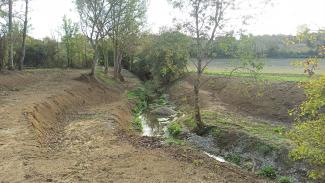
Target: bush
[
  {"x": 137, "y": 125},
  {"x": 267, "y": 171},
  {"x": 174, "y": 129},
  {"x": 234, "y": 158},
  {"x": 284, "y": 179},
  {"x": 140, "y": 97},
  {"x": 308, "y": 133}
]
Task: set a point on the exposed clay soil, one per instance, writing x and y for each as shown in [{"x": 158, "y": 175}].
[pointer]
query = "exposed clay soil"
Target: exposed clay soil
[
  {"x": 56, "y": 126},
  {"x": 268, "y": 100}
]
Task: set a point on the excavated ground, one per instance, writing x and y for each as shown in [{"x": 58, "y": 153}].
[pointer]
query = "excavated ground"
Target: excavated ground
[{"x": 56, "y": 126}]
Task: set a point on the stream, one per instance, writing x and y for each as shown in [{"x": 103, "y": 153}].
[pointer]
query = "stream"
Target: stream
[{"x": 158, "y": 117}]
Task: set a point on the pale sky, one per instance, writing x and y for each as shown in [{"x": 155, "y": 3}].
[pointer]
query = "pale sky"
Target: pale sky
[{"x": 282, "y": 18}]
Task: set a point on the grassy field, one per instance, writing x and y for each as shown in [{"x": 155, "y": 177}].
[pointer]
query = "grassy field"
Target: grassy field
[{"x": 274, "y": 69}]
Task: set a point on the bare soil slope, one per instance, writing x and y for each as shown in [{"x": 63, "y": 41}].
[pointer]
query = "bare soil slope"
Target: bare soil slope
[
  {"x": 267, "y": 100},
  {"x": 56, "y": 126}
]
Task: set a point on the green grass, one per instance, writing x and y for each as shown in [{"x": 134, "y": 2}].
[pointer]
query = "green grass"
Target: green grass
[
  {"x": 263, "y": 76},
  {"x": 100, "y": 74},
  {"x": 174, "y": 141},
  {"x": 272, "y": 134}
]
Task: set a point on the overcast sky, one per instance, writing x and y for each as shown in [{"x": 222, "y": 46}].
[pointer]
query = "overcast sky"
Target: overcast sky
[{"x": 282, "y": 18}]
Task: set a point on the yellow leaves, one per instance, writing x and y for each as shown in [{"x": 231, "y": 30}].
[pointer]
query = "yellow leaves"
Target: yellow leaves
[
  {"x": 309, "y": 135},
  {"x": 322, "y": 51}
]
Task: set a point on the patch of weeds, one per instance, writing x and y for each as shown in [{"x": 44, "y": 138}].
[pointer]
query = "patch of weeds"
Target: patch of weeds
[
  {"x": 234, "y": 158},
  {"x": 104, "y": 78},
  {"x": 173, "y": 141},
  {"x": 198, "y": 162},
  {"x": 285, "y": 179},
  {"x": 216, "y": 133},
  {"x": 174, "y": 129},
  {"x": 264, "y": 149},
  {"x": 137, "y": 125},
  {"x": 140, "y": 99},
  {"x": 190, "y": 123},
  {"x": 268, "y": 172},
  {"x": 162, "y": 100},
  {"x": 280, "y": 130}
]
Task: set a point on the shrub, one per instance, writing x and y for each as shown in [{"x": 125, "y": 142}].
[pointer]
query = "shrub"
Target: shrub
[
  {"x": 140, "y": 97},
  {"x": 308, "y": 133},
  {"x": 234, "y": 158},
  {"x": 267, "y": 171},
  {"x": 137, "y": 125},
  {"x": 174, "y": 129}
]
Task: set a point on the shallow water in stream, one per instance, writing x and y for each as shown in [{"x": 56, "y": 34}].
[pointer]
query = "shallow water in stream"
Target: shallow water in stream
[{"x": 157, "y": 126}]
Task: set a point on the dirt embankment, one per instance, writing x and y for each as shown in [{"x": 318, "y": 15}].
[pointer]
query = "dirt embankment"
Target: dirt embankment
[
  {"x": 58, "y": 127},
  {"x": 267, "y": 100}
]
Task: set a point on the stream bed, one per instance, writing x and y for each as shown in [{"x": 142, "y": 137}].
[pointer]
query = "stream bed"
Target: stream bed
[
  {"x": 240, "y": 149},
  {"x": 158, "y": 117}
]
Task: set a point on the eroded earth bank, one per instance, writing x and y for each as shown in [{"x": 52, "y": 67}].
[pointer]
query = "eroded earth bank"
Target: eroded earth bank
[{"x": 62, "y": 126}]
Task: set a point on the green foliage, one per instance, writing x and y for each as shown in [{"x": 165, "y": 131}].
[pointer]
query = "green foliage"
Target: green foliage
[
  {"x": 137, "y": 125},
  {"x": 263, "y": 76},
  {"x": 162, "y": 58},
  {"x": 285, "y": 179},
  {"x": 169, "y": 55},
  {"x": 140, "y": 98},
  {"x": 104, "y": 78},
  {"x": 234, "y": 158},
  {"x": 190, "y": 123},
  {"x": 70, "y": 41},
  {"x": 216, "y": 133},
  {"x": 248, "y": 55},
  {"x": 174, "y": 129},
  {"x": 268, "y": 172},
  {"x": 280, "y": 130},
  {"x": 174, "y": 141},
  {"x": 308, "y": 133}
]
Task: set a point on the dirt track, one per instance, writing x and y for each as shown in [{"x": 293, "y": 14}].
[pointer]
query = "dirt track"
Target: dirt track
[{"x": 57, "y": 128}]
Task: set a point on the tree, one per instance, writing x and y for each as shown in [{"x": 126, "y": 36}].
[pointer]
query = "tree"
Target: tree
[
  {"x": 95, "y": 23},
  {"x": 3, "y": 30},
  {"x": 10, "y": 34},
  {"x": 70, "y": 31},
  {"x": 127, "y": 17},
  {"x": 169, "y": 56},
  {"x": 206, "y": 18},
  {"x": 308, "y": 133},
  {"x": 23, "y": 46}
]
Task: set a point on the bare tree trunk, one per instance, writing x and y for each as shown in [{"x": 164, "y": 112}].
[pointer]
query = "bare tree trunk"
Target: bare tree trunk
[
  {"x": 120, "y": 58},
  {"x": 116, "y": 61},
  {"x": 93, "y": 67},
  {"x": 85, "y": 54},
  {"x": 197, "y": 110},
  {"x": 2, "y": 52},
  {"x": 131, "y": 63},
  {"x": 23, "y": 47},
  {"x": 11, "y": 45},
  {"x": 106, "y": 63},
  {"x": 96, "y": 57},
  {"x": 197, "y": 82}
]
